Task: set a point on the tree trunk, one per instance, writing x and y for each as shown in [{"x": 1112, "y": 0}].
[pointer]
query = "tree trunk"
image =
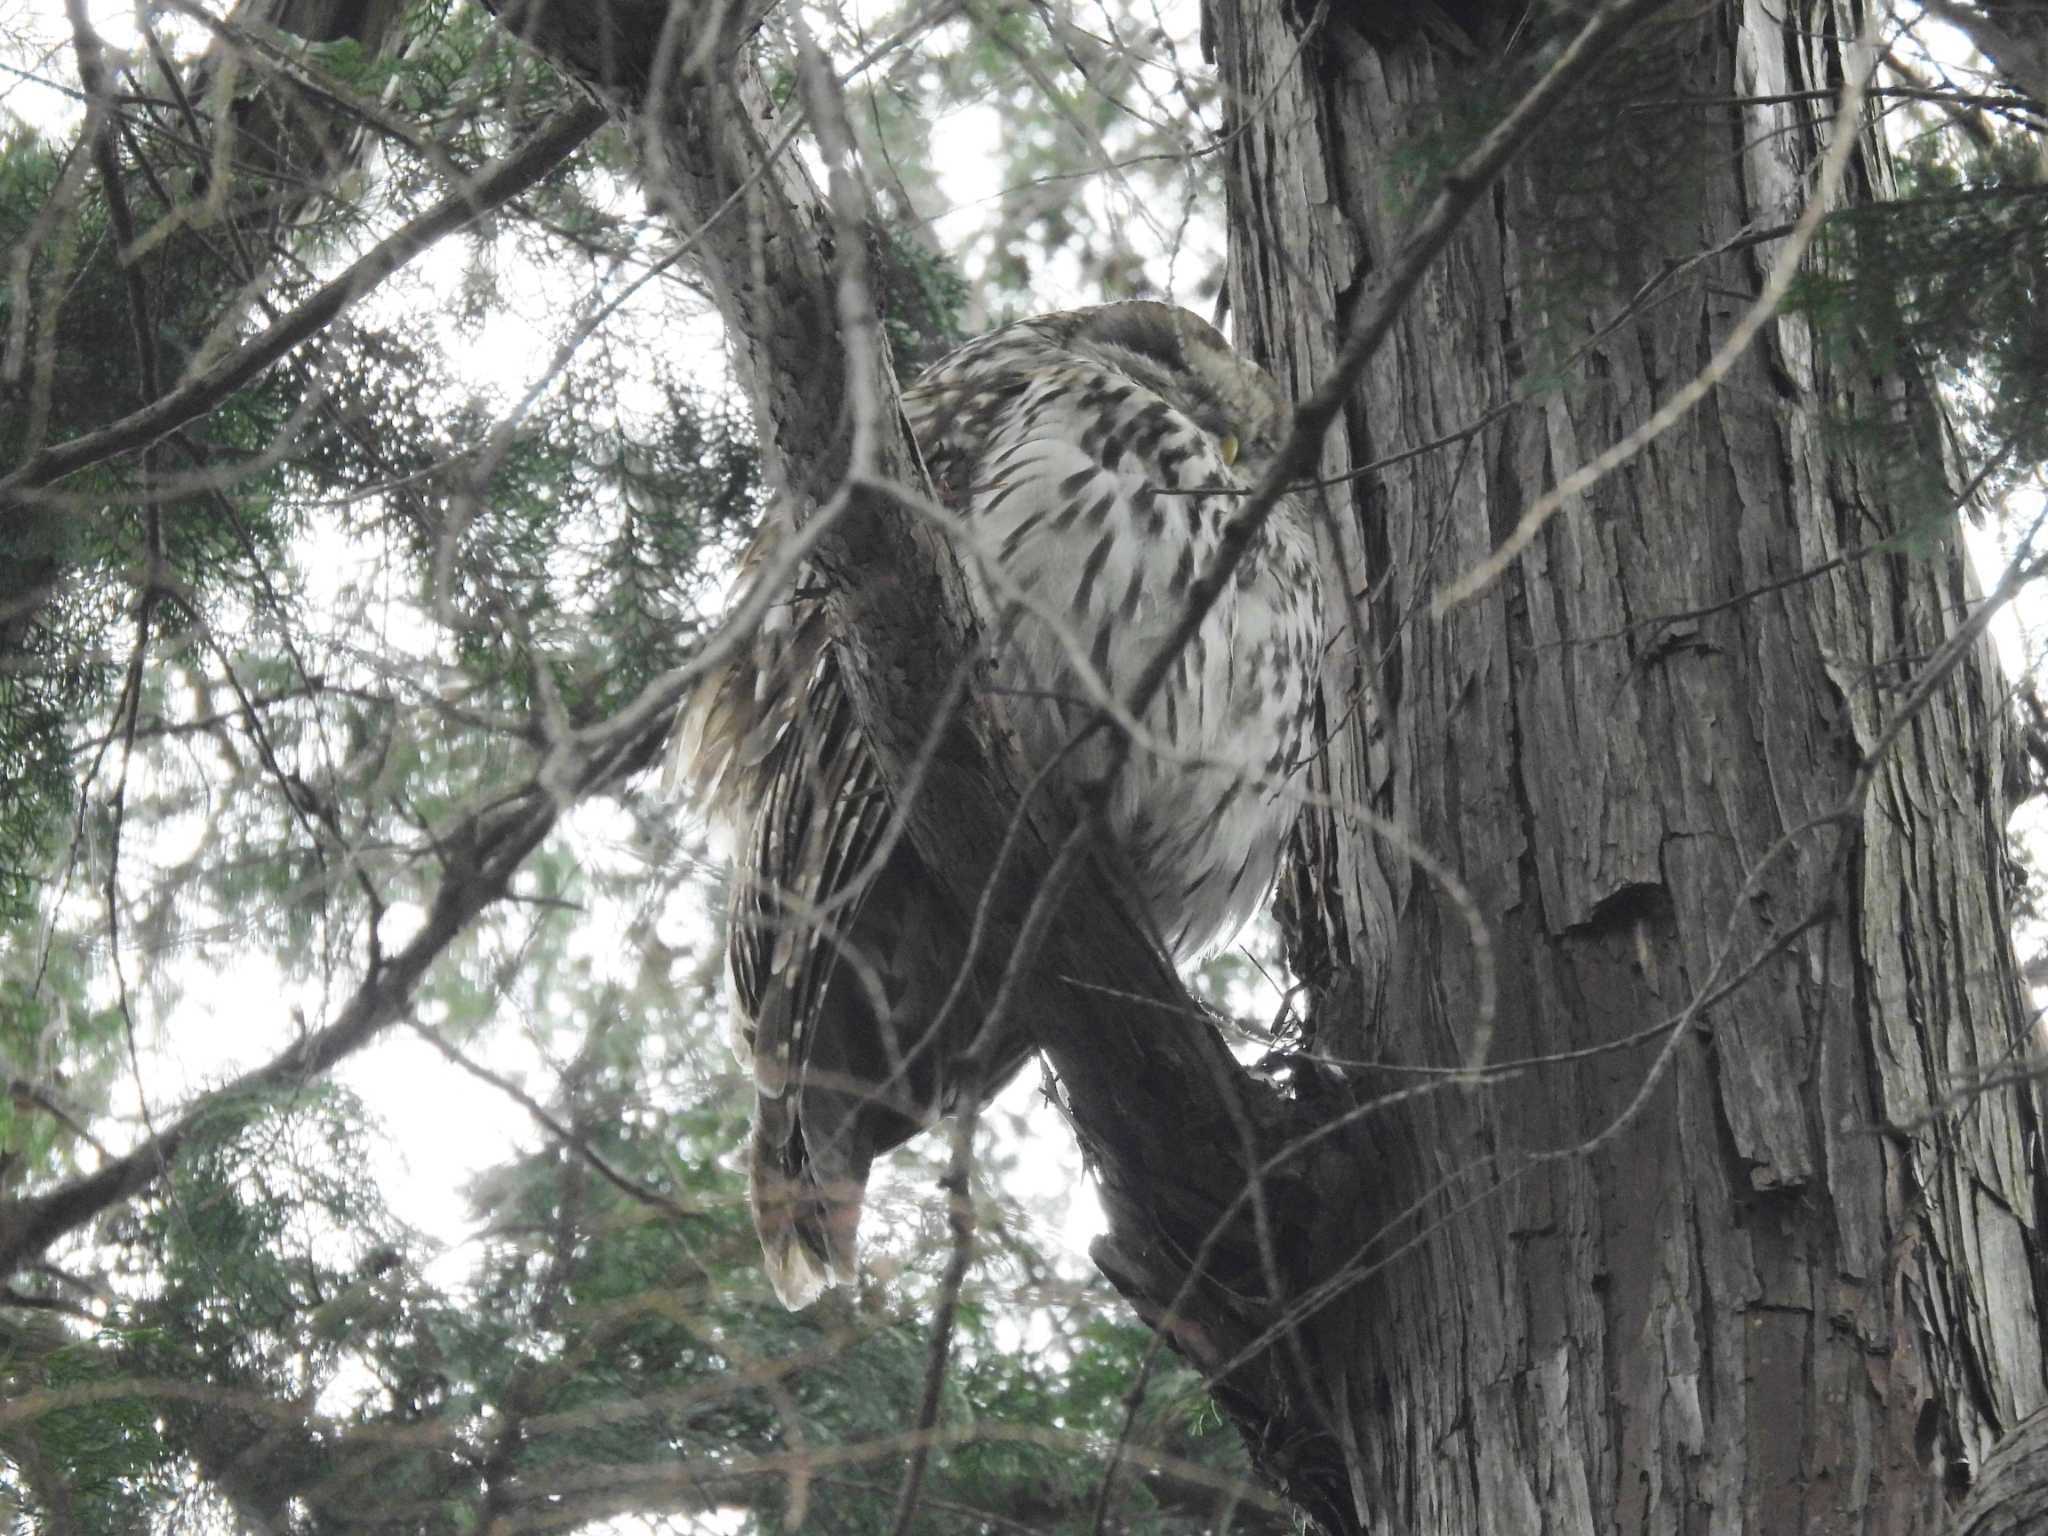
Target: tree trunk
[{"x": 1756, "y": 1258}]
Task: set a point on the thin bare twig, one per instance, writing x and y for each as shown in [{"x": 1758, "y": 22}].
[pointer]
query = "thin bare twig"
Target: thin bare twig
[{"x": 579, "y": 1144}]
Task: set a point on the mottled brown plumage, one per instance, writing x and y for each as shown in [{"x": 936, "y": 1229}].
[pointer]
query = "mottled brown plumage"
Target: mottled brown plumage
[{"x": 1093, "y": 457}]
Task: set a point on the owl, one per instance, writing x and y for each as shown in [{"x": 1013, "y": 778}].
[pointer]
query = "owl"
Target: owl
[{"x": 1086, "y": 463}]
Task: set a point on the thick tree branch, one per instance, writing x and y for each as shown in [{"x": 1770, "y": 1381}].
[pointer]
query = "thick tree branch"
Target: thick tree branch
[
  {"x": 1102, "y": 1000},
  {"x": 2014, "y": 37}
]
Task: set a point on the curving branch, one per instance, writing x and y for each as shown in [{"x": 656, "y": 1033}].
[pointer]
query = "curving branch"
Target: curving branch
[
  {"x": 2010, "y": 1496},
  {"x": 1142, "y": 1079}
]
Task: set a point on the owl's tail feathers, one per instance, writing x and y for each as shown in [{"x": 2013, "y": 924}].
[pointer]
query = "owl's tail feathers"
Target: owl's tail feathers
[{"x": 808, "y": 1217}]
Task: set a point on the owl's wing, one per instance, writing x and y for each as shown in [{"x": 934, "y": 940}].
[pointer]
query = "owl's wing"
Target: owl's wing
[{"x": 837, "y": 948}]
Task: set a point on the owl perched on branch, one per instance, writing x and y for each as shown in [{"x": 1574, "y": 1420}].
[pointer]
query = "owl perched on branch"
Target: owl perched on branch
[{"x": 1091, "y": 459}]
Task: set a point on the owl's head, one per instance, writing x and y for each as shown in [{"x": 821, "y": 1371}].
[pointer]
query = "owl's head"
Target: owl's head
[{"x": 1187, "y": 363}]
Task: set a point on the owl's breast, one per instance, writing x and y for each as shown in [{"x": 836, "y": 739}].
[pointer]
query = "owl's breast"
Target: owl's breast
[{"x": 1090, "y": 511}]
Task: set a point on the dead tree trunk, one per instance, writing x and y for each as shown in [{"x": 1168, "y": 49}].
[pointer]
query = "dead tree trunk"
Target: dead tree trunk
[{"x": 1748, "y": 1253}]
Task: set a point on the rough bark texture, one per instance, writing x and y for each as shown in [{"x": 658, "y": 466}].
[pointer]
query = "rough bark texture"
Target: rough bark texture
[{"x": 1783, "y": 1296}]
